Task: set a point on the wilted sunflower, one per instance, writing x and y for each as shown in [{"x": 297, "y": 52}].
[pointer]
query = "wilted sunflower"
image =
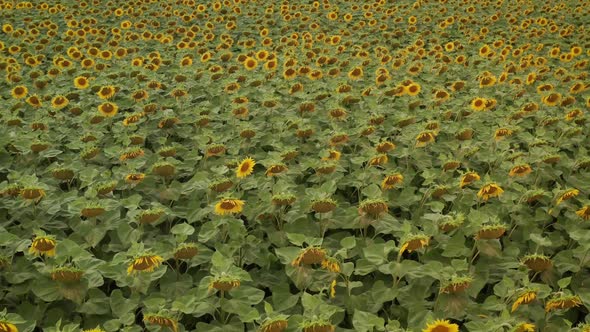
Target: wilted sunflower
[
  {"x": 489, "y": 232},
  {"x": 537, "y": 262},
  {"x": 324, "y": 205},
  {"x": 224, "y": 283},
  {"x": 317, "y": 326},
  {"x": 390, "y": 181},
  {"x": 379, "y": 160},
  {"x": 414, "y": 242},
  {"x": 469, "y": 178},
  {"x": 331, "y": 264},
  {"x": 424, "y": 138},
  {"x": 584, "y": 212},
  {"x": 563, "y": 302},
  {"x": 373, "y": 207},
  {"x": 145, "y": 263},
  {"x": 134, "y": 178},
  {"x": 66, "y": 274},
  {"x": 43, "y": 246},
  {"x": 186, "y": 251},
  {"x": 229, "y": 206},
  {"x": 524, "y": 298},
  {"x": 32, "y": 193},
  {"x": 570, "y": 193},
  {"x": 440, "y": 325},
  {"x": 520, "y": 170},
  {"x": 310, "y": 256},
  {"x": 215, "y": 150},
  {"x": 490, "y": 190},
  {"x": 274, "y": 325},
  {"x": 131, "y": 154},
  {"x": 19, "y": 92},
  {"x": 108, "y": 109},
  {"x": 245, "y": 168},
  {"x": 161, "y": 320},
  {"x": 6, "y": 326},
  {"x": 456, "y": 285},
  {"x": 276, "y": 169},
  {"x": 94, "y": 330}
]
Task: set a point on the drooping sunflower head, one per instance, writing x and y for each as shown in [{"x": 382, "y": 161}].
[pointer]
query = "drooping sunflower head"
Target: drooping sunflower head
[
  {"x": 144, "y": 263},
  {"x": 278, "y": 324},
  {"x": 524, "y": 327},
  {"x": 310, "y": 256},
  {"x": 276, "y": 169},
  {"x": 489, "y": 232},
  {"x": 566, "y": 195},
  {"x": 584, "y": 212},
  {"x": 520, "y": 170},
  {"x": 229, "y": 206},
  {"x": 392, "y": 180},
  {"x": 186, "y": 251},
  {"x": 221, "y": 185},
  {"x": 379, "y": 160},
  {"x": 163, "y": 321},
  {"x": 97, "y": 329},
  {"x": 134, "y": 178},
  {"x": 414, "y": 242},
  {"x": 150, "y": 216},
  {"x": 490, "y": 190},
  {"x": 215, "y": 150},
  {"x": 32, "y": 193},
  {"x": 164, "y": 169},
  {"x": 331, "y": 264},
  {"x": 245, "y": 168},
  {"x": 92, "y": 210},
  {"x": 441, "y": 325},
  {"x": 6, "y": 326},
  {"x": 469, "y": 178},
  {"x": 43, "y": 246},
  {"x": 456, "y": 285},
  {"x": 450, "y": 223},
  {"x": 323, "y": 205},
  {"x": 317, "y": 325},
  {"x": 424, "y": 138},
  {"x": 373, "y": 207},
  {"x": 67, "y": 274},
  {"x": 524, "y": 297},
  {"x": 537, "y": 262},
  {"x": 224, "y": 283},
  {"x": 561, "y": 301},
  {"x": 283, "y": 199}
]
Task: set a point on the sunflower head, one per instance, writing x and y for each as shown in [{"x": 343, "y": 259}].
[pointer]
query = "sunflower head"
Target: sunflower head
[
  {"x": 561, "y": 301},
  {"x": 164, "y": 321},
  {"x": 414, "y": 242},
  {"x": 537, "y": 262},
  {"x": 224, "y": 283},
  {"x": 566, "y": 195},
  {"x": 323, "y": 205},
  {"x": 456, "y": 285},
  {"x": 67, "y": 274},
  {"x": 6, "y": 326},
  {"x": 524, "y": 297},
  {"x": 245, "y": 168},
  {"x": 229, "y": 206},
  {"x": 490, "y": 190},
  {"x": 164, "y": 169},
  {"x": 144, "y": 263},
  {"x": 441, "y": 325},
  {"x": 310, "y": 256},
  {"x": 43, "y": 245},
  {"x": 150, "y": 216},
  {"x": 283, "y": 199},
  {"x": 186, "y": 251},
  {"x": 373, "y": 207},
  {"x": 489, "y": 232},
  {"x": 278, "y": 324}
]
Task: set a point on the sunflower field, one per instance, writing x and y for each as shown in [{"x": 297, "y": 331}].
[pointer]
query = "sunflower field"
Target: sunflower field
[{"x": 315, "y": 166}]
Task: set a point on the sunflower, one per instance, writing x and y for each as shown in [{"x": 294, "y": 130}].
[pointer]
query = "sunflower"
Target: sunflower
[
  {"x": 145, "y": 263},
  {"x": 81, "y": 82},
  {"x": 161, "y": 320},
  {"x": 356, "y": 73},
  {"x": 552, "y": 99},
  {"x": 563, "y": 302},
  {"x": 537, "y": 262},
  {"x": 478, "y": 104},
  {"x": 106, "y": 92},
  {"x": 501, "y": 133},
  {"x": 43, "y": 245},
  {"x": 250, "y": 63},
  {"x": 186, "y": 251},
  {"x": 59, "y": 102},
  {"x": 413, "y": 243},
  {"x": 229, "y": 206},
  {"x": 456, "y": 285},
  {"x": 274, "y": 325},
  {"x": 584, "y": 212},
  {"x": 331, "y": 264},
  {"x": 520, "y": 170},
  {"x": 413, "y": 89},
  {"x": 524, "y": 298},
  {"x": 390, "y": 181},
  {"x": 276, "y": 169},
  {"x": 19, "y": 92},
  {"x": 524, "y": 327},
  {"x": 489, "y": 190},
  {"x": 373, "y": 207},
  {"x": 440, "y": 325},
  {"x": 5, "y": 326},
  {"x": 108, "y": 109},
  {"x": 245, "y": 168},
  {"x": 310, "y": 256},
  {"x": 94, "y": 330},
  {"x": 66, "y": 274},
  {"x": 34, "y": 101},
  {"x": 424, "y": 138},
  {"x": 134, "y": 178},
  {"x": 323, "y": 205},
  {"x": 32, "y": 193},
  {"x": 489, "y": 232},
  {"x": 570, "y": 193},
  {"x": 224, "y": 283}
]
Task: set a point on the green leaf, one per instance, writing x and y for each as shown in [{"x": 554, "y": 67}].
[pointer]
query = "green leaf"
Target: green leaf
[{"x": 366, "y": 321}]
